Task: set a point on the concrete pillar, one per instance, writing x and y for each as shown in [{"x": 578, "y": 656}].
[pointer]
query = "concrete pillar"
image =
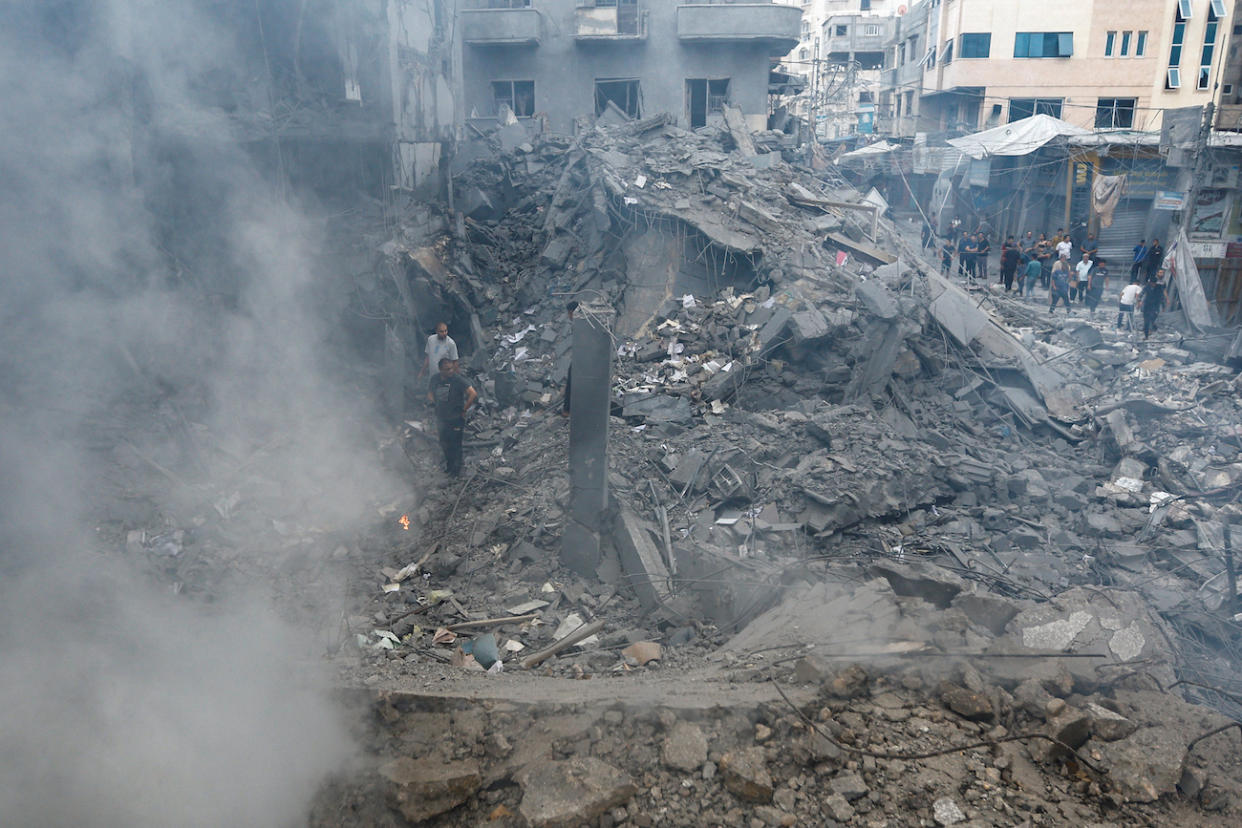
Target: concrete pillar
[{"x": 590, "y": 400}]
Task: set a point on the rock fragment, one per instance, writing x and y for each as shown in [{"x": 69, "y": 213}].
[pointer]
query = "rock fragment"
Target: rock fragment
[
  {"x": 423, "y": 788},
  {"x": 745, "y": 774},
  {"x": 685, "y": 748},
  {"x": 568, "y": 793}
]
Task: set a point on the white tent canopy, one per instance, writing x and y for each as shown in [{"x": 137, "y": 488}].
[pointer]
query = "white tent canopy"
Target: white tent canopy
[
  {"x": 1019, "y": 138},
  {"x": 869, "y": 151}
]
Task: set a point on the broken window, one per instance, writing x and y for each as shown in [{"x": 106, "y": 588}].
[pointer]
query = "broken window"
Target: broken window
[
  {"x": 1020, "y": 108},
  {"x": 705, "y": 96},
  {"x": 621, "y": 92},
  {"x": 1115, "y": 113},
  {"x": 517, "y": 95}
]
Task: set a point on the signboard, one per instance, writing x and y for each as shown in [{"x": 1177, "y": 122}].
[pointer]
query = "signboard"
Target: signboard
[
  {"x": 1208, "y": 250},
  {"x": 1233, "y": 250},
  {"x": 1166, "y": 200},
  {"x": 1211, "y": 209},
  {"x": 1179, "y": 127},
  {"x": 1144, "y": 176}
]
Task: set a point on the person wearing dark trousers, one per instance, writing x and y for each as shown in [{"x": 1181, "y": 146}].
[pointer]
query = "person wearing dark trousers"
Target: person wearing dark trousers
[
  {"x": 1155, "y": 299},
  {"x": 1009, "y": 263},
  {"x": 946, "y": 256},
  {"x": 971, "y": 259},
  {"x": 1155, "y": 258},
  {"x": 981, "y": 257},
  {"x": 1125, "y": 304},
  {"x": 1140, "y": 260},
  {"x": 1060, "y": 286},
  {"x": 962, "y": 255},
  {"x": 1097, "y": 282},
  {"x": 452, "y": 397}
]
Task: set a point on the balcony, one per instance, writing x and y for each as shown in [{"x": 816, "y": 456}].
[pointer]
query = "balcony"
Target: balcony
[
  {"x": 620, "y": 22},
  {"x": 500, "y": 23},
  {"x": 716, "y": 21}
]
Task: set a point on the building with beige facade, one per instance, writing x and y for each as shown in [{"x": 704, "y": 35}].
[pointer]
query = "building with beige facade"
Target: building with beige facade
[{"x": 1097, "y": 64}]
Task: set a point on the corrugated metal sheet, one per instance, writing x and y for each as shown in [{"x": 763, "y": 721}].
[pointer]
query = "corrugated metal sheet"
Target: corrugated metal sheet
[{"x": 1117, "y": 242}]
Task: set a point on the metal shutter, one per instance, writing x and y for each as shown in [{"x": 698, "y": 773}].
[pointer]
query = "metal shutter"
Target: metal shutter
[{"x": 1117, "y": 242}]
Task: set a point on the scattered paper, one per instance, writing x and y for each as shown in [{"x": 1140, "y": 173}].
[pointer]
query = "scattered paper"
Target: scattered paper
[{"x": 640, "y": 182}]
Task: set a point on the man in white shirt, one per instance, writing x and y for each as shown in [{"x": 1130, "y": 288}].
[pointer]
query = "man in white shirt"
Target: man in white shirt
[
  {"x": 439, "y": 346},
  {"x": 1065, "y": 248},
  {"x": 1083, "y": 269},
  {"x": 1125, "y": 308}
]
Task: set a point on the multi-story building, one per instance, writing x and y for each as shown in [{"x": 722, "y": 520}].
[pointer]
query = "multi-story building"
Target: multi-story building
[
  {"x": 824, "y": 72},
  {"x": 1094, "y": 64},
  {"x": 853, "y": 50},
  {"x": 901, "y": 85},
  {"x": 561, "y": 60}
]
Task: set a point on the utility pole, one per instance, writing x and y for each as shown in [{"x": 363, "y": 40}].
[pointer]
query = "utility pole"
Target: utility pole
[{"x": 1199, "y": 168}]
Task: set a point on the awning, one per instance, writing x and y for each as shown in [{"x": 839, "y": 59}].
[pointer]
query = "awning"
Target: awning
[
  {"x": 1019, "y": 138},
  {"x": 869, "y": 151}
]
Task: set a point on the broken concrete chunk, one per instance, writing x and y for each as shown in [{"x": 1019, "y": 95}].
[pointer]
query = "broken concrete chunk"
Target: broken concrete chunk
[
  {"x": 641, "y": 560},
  {"x": 1107, "y": 725},
  {"x": 1146, "y": 765},
  {"x": 850, "y": 683},
  {"x": 839, "y": 808},
  {"x": 966, "y": 703},
  {"x": 933, "y": 584},
  {"x": 850, "y": 785},
  {"x": 423, "y": 788},
  {"x": 876, "y": 298},
  {"x": 946, "y": 812},
  {"x": 745, "y": 774},
  {"x": 685, "y": 748},
  {"x": 566, "y": 794}
]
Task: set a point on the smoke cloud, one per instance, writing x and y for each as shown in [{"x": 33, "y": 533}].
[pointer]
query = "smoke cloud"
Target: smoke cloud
[{"x": 168, "y": 313}]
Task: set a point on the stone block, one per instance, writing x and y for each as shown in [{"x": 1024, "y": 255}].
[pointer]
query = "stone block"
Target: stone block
[
  {"x": 421, "y": 788},
  {"x": 568, "y": 793}
]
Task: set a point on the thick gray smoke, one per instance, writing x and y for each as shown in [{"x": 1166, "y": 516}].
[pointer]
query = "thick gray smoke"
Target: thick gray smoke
[{"x": 152, "y": 272}]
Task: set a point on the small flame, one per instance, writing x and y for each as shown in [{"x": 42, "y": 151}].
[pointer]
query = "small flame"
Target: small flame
[{"x": 405, "y": 522}]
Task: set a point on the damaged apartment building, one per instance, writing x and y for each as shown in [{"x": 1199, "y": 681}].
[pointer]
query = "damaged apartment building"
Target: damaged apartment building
[{"x": 556, "y": 61}]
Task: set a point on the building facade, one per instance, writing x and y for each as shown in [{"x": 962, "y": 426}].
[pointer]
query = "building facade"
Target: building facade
[
  {"x": 1094, "y": 64},
  {"x": 825, "y": 71},
  {"x": 558, "y": 61}
]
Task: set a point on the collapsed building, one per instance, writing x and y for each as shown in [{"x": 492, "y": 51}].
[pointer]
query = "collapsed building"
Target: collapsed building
[
  {"x": 868, "y": 548},
  {"x": 859, "y": 522}
]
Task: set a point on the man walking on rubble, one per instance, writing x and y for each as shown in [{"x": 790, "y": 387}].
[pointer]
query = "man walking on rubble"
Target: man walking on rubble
[
  {"x": 452, "y": 396},
  {"x": 1060, "y": 286},
  {"x": 439, "y": 346},
  {"x": 1155, "y": 299},
  {"x": 1031, "y": 274},
  {"x": 1125, "y": 304}
]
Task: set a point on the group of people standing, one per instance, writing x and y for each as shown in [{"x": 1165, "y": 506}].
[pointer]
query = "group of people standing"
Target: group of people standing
[{"x": 1071, "y": 271}]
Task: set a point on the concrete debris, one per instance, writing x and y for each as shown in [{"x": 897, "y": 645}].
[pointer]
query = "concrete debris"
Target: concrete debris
[
  {"x": 1146, "y": 765},
  {"x": 421, "y": 789},
  {"x": 936, "y": 515},
  {"x": 946, "y": 812},
  {"x": 745, "y": 774},
  {"x": 685, "y": 748},
  {"x": 565, "y": 794}
]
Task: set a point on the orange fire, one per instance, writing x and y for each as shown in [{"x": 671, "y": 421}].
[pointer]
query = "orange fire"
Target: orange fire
[{"x": 405, "y": 522}]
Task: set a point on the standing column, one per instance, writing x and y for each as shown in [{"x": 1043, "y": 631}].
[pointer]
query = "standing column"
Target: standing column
[{"x": 590, "y": 401}]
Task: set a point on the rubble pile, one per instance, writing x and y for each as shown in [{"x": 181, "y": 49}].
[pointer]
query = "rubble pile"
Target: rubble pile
[{"x": 1013, "y": 526}]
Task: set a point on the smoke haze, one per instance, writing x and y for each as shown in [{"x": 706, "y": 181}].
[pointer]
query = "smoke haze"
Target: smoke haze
[{"x": 155, "y": 273}]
